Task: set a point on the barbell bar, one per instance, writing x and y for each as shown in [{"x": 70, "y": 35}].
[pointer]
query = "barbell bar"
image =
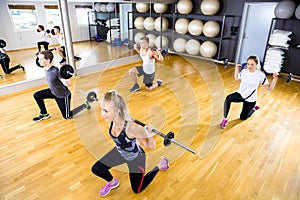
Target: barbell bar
[
  {"x": 168, "y": 139},
  {"x": 164, "y": 50}
]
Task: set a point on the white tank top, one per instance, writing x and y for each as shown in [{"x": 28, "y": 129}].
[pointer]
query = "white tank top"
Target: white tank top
[
  {"x": 60, "y": 40},
  {"x": 148, "y": 64},
  {"x": 44, "y": 36}
]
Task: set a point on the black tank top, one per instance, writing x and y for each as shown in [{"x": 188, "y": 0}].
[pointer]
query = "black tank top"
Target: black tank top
[{"x": 127, "y": 147}]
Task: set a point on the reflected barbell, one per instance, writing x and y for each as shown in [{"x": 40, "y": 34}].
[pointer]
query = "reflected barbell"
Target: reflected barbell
[
  {"x": 168, "y": 139},
  {"x": 2, "y": 43},
  {"x": 164, "y": 50}
]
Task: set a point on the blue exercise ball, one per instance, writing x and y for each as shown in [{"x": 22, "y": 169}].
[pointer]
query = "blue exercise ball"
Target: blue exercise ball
[
  {"x": 285, "y": 9},
  {"x": 297, "y": 12}
]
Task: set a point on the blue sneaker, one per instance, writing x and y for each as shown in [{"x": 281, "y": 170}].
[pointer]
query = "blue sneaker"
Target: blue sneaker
[
  {"x": 159, "y": 82},
  {"x": 63, "y": 61},
  {"x": 135, "y": 88}
]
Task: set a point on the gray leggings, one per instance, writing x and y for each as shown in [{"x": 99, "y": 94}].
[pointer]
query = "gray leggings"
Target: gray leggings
[{"x": 236, "y": 97}]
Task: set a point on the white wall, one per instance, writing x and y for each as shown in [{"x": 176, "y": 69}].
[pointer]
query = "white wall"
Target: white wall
[{"x": 27, "y": 39}]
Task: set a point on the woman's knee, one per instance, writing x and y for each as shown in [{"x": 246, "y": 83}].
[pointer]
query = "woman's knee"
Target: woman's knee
[
  {"x": 99, "y": 168},
  {"x": 135, "y": 189}
]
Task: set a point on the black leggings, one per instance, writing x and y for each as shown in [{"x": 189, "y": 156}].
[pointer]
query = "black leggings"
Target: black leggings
[
  {"x": 63, "y": 103},
  {"x": 5, "y": 65},
  {"x": 236, "y": 97},
  {"x": 139, "y": 181},
  {"x": 45, "y": 44}
]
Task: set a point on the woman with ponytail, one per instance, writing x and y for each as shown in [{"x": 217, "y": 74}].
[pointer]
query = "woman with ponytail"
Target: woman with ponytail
[
  {"x": 250, "y": 78},
  {"x": 127, "y": 136}
]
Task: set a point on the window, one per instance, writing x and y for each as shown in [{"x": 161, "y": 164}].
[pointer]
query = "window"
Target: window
[
  {"x": 23, "y": 17},
  {"x": 82, "y": 14},
  {"x": 52, "y": 15}
]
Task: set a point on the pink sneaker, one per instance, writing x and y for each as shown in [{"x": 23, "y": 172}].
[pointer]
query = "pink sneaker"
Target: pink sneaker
[
  {"x": 107, "y": 188},
  {"x": 223, "y": 123},
  {"x": 256, "y": 107},
  {"x": 164, "y": 163}
]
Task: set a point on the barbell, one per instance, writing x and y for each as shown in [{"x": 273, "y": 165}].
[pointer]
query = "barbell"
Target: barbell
[
  {"x": 164, "y": 50},
  {"x": 269, "y": 69},
  {"x": 168, "y": 138},
  {"x": 2, "y": 43}
]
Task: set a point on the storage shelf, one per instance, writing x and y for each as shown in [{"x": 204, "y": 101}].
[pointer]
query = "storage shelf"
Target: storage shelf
[{"x": 172, "y": 34}]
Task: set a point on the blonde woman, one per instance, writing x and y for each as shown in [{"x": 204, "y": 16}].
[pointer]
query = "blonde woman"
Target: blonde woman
[
  {"x": 128, "y": 137},
  {"x": 250, "y": 78}
]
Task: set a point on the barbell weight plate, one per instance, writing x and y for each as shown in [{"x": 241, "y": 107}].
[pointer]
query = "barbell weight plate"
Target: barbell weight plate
[
  {"x": 37, "y": 62},
  {"x": 66, "y": 71},
  {"x": 130, "y": 44},
  {"x": 2, "y": 43},
  {"x": 168, "y": 138},
  {"x": 91, "y": 97}
]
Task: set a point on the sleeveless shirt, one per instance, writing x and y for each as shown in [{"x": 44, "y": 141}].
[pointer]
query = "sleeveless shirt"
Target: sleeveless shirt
[
  {"x": 148, "y": 64},
  {"x": 127, "y": 147}
]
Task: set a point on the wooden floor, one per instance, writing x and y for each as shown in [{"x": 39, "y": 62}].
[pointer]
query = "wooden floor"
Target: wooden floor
[{"x": 253, "y": 159}]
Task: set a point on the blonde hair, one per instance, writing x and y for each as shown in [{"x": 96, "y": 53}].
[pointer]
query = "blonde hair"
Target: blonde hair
[{"x": 118, "y": 104}]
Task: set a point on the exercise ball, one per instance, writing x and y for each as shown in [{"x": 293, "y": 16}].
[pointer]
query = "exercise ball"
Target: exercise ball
[
  {"x": 179, "y": 45},
  {"x": 161, "y": 24},
  {"x": 142, "y": 7},
  {"x": 160, "y": 7},
  {"x": 97, "y": 7},
  {"x": 139, "y": 23},
  {"x": 210, "y": 7},
  {"x": 164, "y": 41},
  {"x": 184, "y": 6},
  {"x": 285, "y": 9},
  {"x": 138, "y": 36},
  {"x": 152, "y": 38},
  {"x": 297, "y": 12},
  {"x": 181, "y": 25},
  {"x": 110, "y": 7},
  {"x": 103, "y": 7},
  {"x": 208, "y": 49},
  {"x": 195, "y": 27},
  {"x": 149, "y": 23},
  {"x": 192, "y": 47},
  {"x": 211, "y": 29}
]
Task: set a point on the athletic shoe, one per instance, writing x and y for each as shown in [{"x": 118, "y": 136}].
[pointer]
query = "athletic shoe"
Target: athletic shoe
[
  {"x": 1, "y": 76},
  {"x": 135, "y": 88},
  {"x": 159, "y": 82},
  {"x": 77, "y": 58},
  {"x": 108, "y": 186},
  {"x": 41, "y": 117},
  {"x": 223, "y": 123},
  {"x": 21, "y": 66},
  {"x": 256, "y": 108},
  {"x": 88, "y": 106},
  {"x": 63, "y": 61},
  {"x": 164, "y": 163}
]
